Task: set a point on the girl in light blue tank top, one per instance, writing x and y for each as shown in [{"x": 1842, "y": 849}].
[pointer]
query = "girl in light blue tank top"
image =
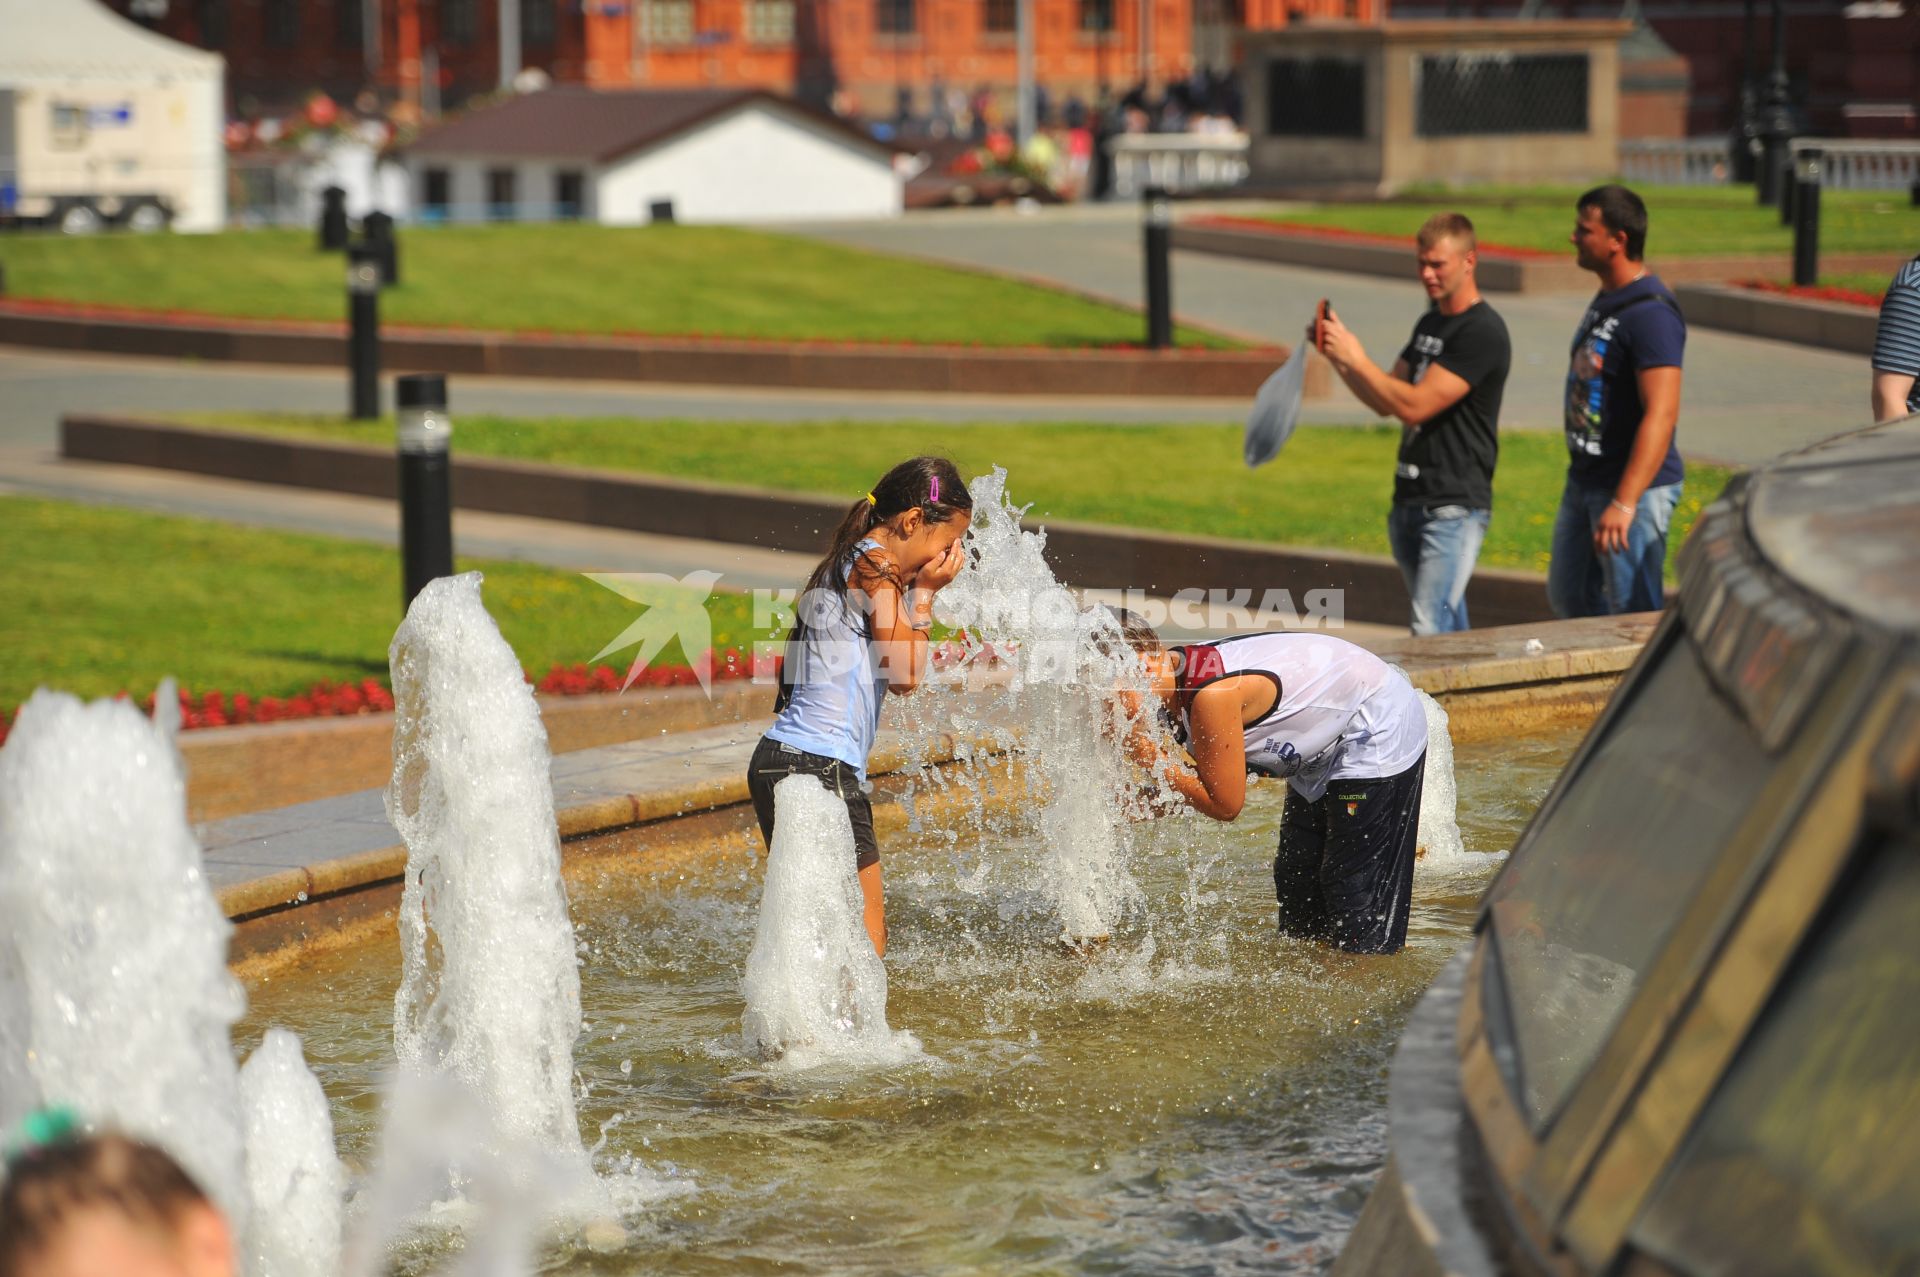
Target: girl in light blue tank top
[{"x": 860, "y": 631}]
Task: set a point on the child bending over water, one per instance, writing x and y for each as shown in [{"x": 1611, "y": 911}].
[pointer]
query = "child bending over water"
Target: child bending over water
[
  {"x": 1347, "y": 733},
  {"x": 106, "y": 1206},
  {"x": 860, "y": 632}
]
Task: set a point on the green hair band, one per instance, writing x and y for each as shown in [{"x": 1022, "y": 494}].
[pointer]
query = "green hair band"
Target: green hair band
[{"x": 40, "y": 1128}]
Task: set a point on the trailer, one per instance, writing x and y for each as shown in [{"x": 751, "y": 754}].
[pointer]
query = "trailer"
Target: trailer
[{"x": 105, "y": 125}]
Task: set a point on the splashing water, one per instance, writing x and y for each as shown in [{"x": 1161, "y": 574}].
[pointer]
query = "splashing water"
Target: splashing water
[
  {"x": 115, "y": 997},
  {"x": 1066, "y": 723},
  {"x": 490, "y": 986},
  {"x": 815, "y": 989},
  {"x": 296, "y": 1179},
  {"x": 1440, "y": 843}
]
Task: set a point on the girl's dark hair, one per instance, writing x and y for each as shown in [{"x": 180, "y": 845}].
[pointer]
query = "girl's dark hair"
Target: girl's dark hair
[
  {"x": 930, "y": 484},
  {"x": 47, "y": 1186}
]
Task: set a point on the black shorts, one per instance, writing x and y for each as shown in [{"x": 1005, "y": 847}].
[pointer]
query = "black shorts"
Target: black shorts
[
  {"x": 1344, "y": 872},
  {"x": 773, "y": 761}
]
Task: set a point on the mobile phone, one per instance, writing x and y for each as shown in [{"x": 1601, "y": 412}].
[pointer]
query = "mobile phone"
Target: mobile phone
[{"x": 1320, "y": 314}]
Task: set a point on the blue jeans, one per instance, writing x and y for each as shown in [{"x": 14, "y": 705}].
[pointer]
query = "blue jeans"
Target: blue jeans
[
  {"x": 1584, "y": 582},
  {"x": 1435, "y": 547}
]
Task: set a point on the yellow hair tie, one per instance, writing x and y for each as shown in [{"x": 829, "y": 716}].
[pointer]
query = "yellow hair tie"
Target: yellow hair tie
[{"x": 871, "y": 501}]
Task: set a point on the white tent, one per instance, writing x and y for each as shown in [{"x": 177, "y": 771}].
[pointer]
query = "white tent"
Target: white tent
[{"x": 92, "y": 101}]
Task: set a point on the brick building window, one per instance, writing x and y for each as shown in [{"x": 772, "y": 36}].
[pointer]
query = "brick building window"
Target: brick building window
[
  {"x": 457, "y": 21},
  {"x": 894, "y": 17},
  {"x": 347, "y": 26},
  {"x": 283, "y": 23},
  {"x": 211, "y": 15},
  {"x": 770, "y": 21},
  {"x": 536, "y": 23},
  {"x": 667, "y": 21},
  {"x": 1002, "y": 16},
  {"x": 1096, "y": 15}
]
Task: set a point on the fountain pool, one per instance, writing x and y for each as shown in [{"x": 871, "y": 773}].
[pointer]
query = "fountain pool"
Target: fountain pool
[{"x": 1195, "y": 1095}]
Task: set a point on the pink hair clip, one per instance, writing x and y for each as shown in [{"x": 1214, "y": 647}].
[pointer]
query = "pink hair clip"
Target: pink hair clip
[{"x": 933, "y": 497}]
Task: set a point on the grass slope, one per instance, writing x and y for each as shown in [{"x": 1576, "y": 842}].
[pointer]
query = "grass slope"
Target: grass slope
[
  {"x": 1330, "y": 488},
  {"x": 106, "y": 600},
  {"x": 668, "y": 280}
]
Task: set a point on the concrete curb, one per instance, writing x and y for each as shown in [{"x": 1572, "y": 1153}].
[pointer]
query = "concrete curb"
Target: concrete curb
[
  {"x": 300, "y": 760},
  {"x": 1801, "y": 320},
  {"x": 1086, "y": 555},
  {"x": 287, "y": 875},
  {"x": 948, "y": 370},
  {"x": 1495, "y": 273}
]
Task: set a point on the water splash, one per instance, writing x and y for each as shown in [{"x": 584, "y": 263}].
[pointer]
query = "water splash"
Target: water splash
[
  {"x": 815, "y": 989},
  {"x": 1441, "y": 846},
  {"x": 1060, "y": 715},
  {"x": 296, "y": 1179},
  {"x": 490, "y": 986},
  {"x": 115, "y": 997}
]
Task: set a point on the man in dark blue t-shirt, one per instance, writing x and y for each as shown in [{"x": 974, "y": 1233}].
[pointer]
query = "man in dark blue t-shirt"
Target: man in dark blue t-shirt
[{"x": 1623, "y": 404}]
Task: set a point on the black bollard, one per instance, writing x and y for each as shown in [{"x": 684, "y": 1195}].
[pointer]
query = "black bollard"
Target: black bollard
[
  {"x": 363, "y": 330},
  {"x": 1158, "y": 219},
  {"x": 333, "y": 220},
  {"x": 377, "y": 230},
  {"x": 1789, "y": 188},
  {"x": 426, "y": 489},
  {"x": 1806, "y": 217}
]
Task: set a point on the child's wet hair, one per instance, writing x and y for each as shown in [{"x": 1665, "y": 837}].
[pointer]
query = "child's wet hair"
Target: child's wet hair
[
  {"x": 1140, "y": 636},
  {"x": 47, "y": 1187}
]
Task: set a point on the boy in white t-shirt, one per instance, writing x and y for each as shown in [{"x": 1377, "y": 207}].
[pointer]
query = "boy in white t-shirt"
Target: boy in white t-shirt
[{"x": 1344, "y": 729}]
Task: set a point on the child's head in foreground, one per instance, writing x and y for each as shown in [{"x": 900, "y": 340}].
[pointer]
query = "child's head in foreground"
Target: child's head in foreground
[{"x": 107, "y": 1206}]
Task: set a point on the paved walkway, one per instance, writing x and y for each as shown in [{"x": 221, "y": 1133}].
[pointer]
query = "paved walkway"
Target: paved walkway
[{"x": 1745, "y": 399}]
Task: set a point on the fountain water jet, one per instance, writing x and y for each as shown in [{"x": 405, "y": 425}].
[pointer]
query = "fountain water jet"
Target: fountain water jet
[
  {"x": 490, "y": 988},
  {"x": 297, "y": 1181},
  {"x": 815, "y": 989},
  {"x": 1068, "y": 660},
  {"x": 115, "y": 997}
]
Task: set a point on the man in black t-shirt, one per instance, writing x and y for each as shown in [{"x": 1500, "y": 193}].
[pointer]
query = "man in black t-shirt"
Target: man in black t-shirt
[{"x": 1445, "y": 390}]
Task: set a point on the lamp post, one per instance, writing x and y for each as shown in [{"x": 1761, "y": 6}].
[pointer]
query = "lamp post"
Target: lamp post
[
  {"x": 423, "y": 433},
  {"x": 1806, "y": 217},
  {"x": 1776, "y": 116},
  {"x": 1157, "y": 220},
  {"x": 363, "y": 330}
]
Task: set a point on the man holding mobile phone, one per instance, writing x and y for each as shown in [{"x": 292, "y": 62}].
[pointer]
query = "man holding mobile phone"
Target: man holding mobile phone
[{"x": 1445, "y": 390}]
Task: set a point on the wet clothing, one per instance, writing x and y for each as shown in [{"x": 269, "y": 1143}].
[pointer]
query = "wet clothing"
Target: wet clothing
[
  {"x": 1633, "y": 328},
  {"x": 1339, "y": 713},
  {"x": 1449, "y": 460},
  {"x": 1344, "y": 871},
  {"x": 831, "y": 684},
  {"x": 1896, "y": 340},
  {"x": 773, "y": 762}
]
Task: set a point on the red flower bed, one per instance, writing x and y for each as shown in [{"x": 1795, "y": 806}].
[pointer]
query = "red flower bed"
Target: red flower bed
[
  {"x": 1815, "y": 292},
  {"x": 372, "y": 696},
  {"x": 1362, "y": 237}
]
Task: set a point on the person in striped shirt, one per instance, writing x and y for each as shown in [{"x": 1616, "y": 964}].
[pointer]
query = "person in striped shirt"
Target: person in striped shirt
[{"x": 1896, "y": 347}]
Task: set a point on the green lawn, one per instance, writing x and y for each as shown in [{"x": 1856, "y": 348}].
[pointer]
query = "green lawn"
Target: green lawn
[
  {"x": 667, "y": 280},
  {"x": 102, "y": 600},
  {"x": 1330, "y": 488},
  {"x": 1683, "y": 221}
]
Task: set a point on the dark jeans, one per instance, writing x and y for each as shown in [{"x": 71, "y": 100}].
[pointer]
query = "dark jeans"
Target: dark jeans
[
  {"x": 1344, "y": 872},
  {"x": 1581, "y": 581},
  {"x": 773, "y": 761}
]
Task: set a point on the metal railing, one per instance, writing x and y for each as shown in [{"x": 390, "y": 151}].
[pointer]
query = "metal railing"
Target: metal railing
[
  {"x": 1178, "y": 162},
  {"x": 1690, "y": 161},
  {"x": 1852, "y": 164}
]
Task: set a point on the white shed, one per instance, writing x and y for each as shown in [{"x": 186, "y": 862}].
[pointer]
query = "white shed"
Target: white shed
[
  {"x": 625, "y": 157},
  {"x": 101, "y": 115}
]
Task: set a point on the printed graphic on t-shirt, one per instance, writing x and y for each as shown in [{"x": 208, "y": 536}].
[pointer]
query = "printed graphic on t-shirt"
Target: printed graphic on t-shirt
[{"x": 1586, "y": 388}]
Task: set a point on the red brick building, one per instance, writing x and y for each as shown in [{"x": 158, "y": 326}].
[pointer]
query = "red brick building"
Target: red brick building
[{"x": 279, "y": 50}]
